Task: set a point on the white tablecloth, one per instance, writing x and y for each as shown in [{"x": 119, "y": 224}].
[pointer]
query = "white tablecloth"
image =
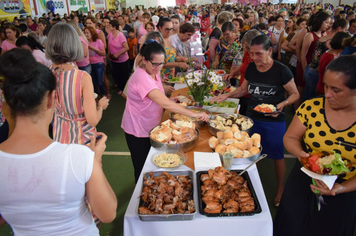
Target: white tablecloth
[{"x": 256, "y": 225}]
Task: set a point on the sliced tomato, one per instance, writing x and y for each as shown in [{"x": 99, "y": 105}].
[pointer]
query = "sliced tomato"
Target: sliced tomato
[
  {"x": 315, "y": 167},
  {"x": 312, "y": 160}
]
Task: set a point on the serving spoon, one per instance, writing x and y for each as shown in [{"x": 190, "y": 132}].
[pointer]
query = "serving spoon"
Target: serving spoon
[{"x": 255, "y": 161}]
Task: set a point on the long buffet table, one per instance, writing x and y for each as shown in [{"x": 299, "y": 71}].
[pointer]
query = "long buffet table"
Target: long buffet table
[{"x": 255, "y": 225}]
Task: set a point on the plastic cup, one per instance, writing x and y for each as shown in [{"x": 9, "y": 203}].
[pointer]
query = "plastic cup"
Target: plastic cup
[{"x": 227, "y": 159}]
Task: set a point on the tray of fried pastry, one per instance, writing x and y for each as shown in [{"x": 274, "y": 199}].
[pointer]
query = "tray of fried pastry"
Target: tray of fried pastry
[
  {"x": 226, "y": 193},
  {"x": 167, "y": 196}
]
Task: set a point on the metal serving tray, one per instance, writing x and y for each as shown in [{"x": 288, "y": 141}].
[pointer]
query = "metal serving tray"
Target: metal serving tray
[
  {"x": 168, "y": 217},
  {"x": 201, "y": 204}
]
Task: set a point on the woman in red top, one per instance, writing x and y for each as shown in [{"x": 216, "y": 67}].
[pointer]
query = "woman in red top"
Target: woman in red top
[
  {"x": 239, "y": 66},
  {"x": 328, "y": 56},
  {"x": 319, "y": 26}
]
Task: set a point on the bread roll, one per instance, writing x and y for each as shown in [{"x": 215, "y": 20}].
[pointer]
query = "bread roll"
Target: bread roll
[
  {"x": 229, "y": 141},
  {"x": 213, "y": 142},
  {"x": 220, "y": 148},
  {"x": 228, "y": 134},
  {"x": 177, "y": 135},
  {"x": 229, "y": 148},
  {"x": 175, "y": 126},
  {"x": 220, "y": 135},
  {"x": 238, "y": 136},
  {"x": 254, "y": 150},
  {"x": 241, "y": 145},
  {"x": 246, "y": 154},
  {"x": 167, "y": 123},
  {"x": 256, "y": 140},
  {"x": 237, "y": 153},
  {"x": 234, "y": 128},
  {"x": 249, "y": 143},
  {"x": 244, "y": 133}
]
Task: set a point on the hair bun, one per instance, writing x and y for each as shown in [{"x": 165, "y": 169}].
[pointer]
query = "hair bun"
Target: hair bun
[{"x": 19, "y": 66}]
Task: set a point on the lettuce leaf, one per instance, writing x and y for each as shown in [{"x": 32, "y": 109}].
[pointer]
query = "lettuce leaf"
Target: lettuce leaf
[{"x": 337, "y": 166}]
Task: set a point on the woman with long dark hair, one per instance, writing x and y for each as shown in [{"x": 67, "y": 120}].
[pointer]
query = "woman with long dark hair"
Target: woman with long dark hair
[
  {"x": 319, "y": 25},
  {"x": 35, "y": 47}
]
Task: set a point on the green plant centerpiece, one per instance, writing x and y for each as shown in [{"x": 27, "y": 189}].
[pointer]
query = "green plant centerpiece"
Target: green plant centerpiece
[{"x": 200, "y": 82}]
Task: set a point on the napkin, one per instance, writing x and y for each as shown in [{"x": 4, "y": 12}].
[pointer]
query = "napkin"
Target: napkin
[
  {"x": 206, "y": 160},
  {"x": 329, "y": 180}
]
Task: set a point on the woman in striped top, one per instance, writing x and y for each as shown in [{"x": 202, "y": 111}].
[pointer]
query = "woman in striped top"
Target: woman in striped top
[{"x": 74, "y": 92}]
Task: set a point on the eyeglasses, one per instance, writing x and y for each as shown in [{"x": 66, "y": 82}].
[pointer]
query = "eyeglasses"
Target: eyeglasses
[
  {"x": 168, "y": 29},
  {"x": 157, "y": 64}
]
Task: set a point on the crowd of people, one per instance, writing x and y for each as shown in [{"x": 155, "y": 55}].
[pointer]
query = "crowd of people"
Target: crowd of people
[{"x": 56, "y": 71}]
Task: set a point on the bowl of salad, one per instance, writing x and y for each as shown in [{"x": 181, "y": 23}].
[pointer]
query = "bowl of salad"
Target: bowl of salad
[
  {"x": 227, "y": 106},
  {"x": 176, "y": 80},
  {"x": 168, "y": 159}
]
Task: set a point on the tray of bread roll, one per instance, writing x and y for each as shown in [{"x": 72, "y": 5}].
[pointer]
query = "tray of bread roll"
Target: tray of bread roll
[{"x": 245, "y": 148}]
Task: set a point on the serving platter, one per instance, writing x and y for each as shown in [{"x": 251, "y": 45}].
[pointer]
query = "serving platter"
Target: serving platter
[{"x": 202, "y": 205}]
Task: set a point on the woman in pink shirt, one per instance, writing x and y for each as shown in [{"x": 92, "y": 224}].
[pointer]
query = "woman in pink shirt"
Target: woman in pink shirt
[
  {"x": 96, "y": 58},
  {"x": 145, "y": 103},
  {"x": 84, "y": 63},
  {"x": 141, "y": 30},
  {"x": 118, "y": 55},
  {"x": 35, "y": 47},
  {"x": 11, "y": 34}
]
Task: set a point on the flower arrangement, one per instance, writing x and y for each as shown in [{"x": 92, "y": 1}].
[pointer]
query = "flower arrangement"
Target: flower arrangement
[{"x": 200, "y": 82}]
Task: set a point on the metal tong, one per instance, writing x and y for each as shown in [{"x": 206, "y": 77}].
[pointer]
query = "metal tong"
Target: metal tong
[{"x": 255, "y": 161}]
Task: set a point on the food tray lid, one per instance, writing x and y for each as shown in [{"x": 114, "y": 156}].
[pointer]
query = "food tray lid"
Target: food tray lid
[{"x": 201, "y": 204}]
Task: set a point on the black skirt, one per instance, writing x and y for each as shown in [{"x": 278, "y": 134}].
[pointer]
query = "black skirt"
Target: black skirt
[{"x": 298, "y": 211}]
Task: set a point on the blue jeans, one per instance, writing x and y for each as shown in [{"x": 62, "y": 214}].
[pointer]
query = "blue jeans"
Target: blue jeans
[
  {"x": 97, "y": 75},
  {"x": 311, "y": 78},
  {"x": 85, "y": 68}
]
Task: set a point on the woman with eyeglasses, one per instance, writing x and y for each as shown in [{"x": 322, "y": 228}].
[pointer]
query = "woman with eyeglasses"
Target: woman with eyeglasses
[
  {"x": 165, "y": 26},
  {"x": 145, "y": 103}
]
